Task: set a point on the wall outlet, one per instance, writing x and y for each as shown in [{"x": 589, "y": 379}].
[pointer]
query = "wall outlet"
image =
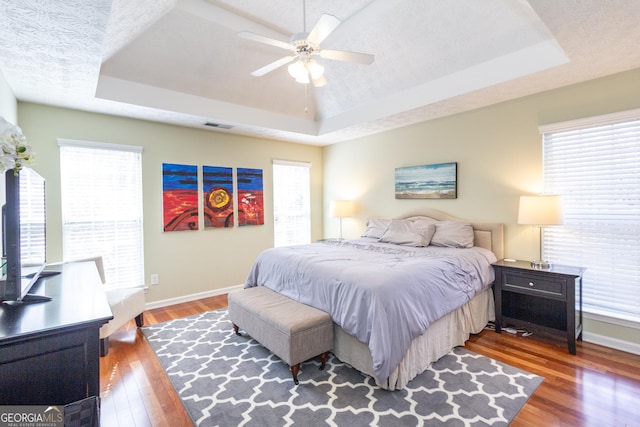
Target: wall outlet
[{"x": 154, "y": 279}]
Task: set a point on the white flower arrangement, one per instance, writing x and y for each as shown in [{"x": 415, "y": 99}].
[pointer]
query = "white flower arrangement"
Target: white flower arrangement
[{"x": 14, "y": 150}]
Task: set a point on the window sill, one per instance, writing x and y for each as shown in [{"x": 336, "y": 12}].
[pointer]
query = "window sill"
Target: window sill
[{"x": 600, "y": 317}]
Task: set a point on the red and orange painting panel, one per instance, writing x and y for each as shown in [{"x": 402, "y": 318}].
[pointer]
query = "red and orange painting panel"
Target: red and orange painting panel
[
  {"x": 250, "y": 197},
  {"x": 179, "y": 197},
  {"x": 217, "y": 196}
]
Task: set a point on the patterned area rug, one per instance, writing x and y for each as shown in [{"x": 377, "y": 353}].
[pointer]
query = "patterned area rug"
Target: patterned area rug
[{"x": 229, "y": 380}]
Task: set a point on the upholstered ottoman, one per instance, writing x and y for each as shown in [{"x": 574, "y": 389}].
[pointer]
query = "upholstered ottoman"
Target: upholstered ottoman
[{"x": 293, "y": 331}]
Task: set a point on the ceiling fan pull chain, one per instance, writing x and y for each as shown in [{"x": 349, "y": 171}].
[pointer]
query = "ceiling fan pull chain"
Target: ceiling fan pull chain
[{"x": 305, "y": 98}]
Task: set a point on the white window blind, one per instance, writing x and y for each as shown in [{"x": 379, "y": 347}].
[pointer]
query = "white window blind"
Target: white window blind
[
  {"x": 101, "y": 191},
  {"x": 595, "y": 166},
  {"x": 33, "y": 218},
  {"x": 291, "y": 203}
]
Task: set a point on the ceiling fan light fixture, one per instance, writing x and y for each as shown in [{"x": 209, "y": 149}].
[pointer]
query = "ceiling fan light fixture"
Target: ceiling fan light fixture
[
  {"x": 297, "y": 69},
  {"x": 316, "y": 70},
  {"x": 304, "y": 70},
  {"x": 303, "y": 47},
  {"x": 303, "y": 78},
  {"x": 319, "y": 82}
]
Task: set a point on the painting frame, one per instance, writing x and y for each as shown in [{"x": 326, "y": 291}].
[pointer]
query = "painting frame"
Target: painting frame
[{"x": 433, "y": 181}]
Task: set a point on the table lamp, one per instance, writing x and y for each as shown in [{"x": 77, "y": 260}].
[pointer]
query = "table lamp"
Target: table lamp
[
  {"x": 539, "y": 211},
  {"x": 341, "y": 209}
]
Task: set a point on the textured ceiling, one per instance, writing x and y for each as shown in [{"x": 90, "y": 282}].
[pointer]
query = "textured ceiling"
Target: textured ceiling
[{"x": 182, "y": 62}]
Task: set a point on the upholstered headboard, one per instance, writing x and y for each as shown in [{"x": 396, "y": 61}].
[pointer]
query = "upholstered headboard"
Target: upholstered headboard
[{"x": 488, "y": 235}]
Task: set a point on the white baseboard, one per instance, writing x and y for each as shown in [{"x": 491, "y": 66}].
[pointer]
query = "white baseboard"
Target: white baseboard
[
  {"x": 615, "y": 343},
  {"x": 191, "y": 297}
]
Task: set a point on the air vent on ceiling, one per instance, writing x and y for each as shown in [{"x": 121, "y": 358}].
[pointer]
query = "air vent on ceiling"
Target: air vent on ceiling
[{"x": 218, "y": 125}]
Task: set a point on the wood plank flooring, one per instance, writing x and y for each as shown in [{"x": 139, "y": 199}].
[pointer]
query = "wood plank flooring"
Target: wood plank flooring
[{"x": 597, "y": 387}]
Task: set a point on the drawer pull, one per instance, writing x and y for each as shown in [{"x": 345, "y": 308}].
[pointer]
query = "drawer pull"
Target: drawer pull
[{"x": 531, "y": 284}]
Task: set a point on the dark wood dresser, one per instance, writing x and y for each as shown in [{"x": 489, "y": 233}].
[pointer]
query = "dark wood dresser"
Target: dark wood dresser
[{"x": 49, "y": 351}]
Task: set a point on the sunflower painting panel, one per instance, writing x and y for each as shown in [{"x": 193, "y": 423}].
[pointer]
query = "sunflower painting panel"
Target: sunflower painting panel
[
  {"x": 179, "y": 197},
  {"x": 217, "y": 196},
  {"x": 250, "y": 198}
]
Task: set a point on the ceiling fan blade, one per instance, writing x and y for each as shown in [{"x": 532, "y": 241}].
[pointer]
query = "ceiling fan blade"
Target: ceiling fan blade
[
  {"x": 325, "y": 26},
  {"x": 263, "y": 39},
  {"x": 341, "y": 55},
  {"x": 270, "y": 67}
]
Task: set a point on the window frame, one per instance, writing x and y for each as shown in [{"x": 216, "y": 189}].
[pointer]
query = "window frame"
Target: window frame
[
  {"x": 121, "y": 246},
  {"x": 301, "y": 236},
  {"x": 623, "y": 127}
]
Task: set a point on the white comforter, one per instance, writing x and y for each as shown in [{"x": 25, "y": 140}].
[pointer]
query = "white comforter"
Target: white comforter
[{"x": 384, "y": 294}]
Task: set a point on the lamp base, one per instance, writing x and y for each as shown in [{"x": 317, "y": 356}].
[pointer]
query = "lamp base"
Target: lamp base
[{"x": 541, "y": 265}]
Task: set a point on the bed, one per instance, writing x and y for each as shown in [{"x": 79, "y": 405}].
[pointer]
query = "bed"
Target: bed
[{"x": 401, "y": 296}]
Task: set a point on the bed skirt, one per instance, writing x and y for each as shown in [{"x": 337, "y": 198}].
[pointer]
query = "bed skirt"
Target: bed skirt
[{"x": 439, "y": 339}]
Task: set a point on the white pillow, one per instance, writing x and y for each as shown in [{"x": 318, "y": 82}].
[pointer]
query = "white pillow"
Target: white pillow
[
  {"x": 409, "y": 233},
  {"x": 376, "y": 227},
  {"x": 453, "y": 234}
]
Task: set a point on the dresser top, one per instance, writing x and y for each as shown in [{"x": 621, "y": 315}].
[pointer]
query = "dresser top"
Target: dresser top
[
  {"x": 553, "y": 268},
  {"x": 77, "y": 300}
]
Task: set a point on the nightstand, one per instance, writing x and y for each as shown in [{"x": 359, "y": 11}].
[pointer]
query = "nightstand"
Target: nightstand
[{"x": 549, "y": 297}]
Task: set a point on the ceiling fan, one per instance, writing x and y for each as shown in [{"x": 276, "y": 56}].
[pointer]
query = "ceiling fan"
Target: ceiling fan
[{"x": 304, "y": 46}]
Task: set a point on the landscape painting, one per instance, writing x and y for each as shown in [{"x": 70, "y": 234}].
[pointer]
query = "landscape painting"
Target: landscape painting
[
  {"x": 250, "y": 199},
  {"x": 438, "y": 181},
  {"x": 217, "y": 196},
  {"x": 179, "y": 197}
]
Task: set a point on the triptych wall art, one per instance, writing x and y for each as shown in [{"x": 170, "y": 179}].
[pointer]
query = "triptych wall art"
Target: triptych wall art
[{"x": 180, "y": 197}]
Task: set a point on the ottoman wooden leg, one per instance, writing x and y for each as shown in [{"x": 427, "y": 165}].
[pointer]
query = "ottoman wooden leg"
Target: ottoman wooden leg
[
  {"x": 294, "y": 371},
  {"x": 323, "y": 359},
  {"x": 236, "y": 329}
]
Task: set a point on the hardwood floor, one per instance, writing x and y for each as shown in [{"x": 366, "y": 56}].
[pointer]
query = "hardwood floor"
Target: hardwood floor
[{"x": 597, "y": 387}]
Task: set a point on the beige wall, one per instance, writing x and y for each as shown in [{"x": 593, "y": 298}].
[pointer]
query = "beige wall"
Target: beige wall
[
  {"x": 498, "y": 150},
  {"x": 8, "y": 110},
  {"x": 187, "y": 262},
  {"x": 8, "y": 103}
]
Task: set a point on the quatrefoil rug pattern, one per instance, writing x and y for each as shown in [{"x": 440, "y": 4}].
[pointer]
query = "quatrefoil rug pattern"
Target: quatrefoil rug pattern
[{"x": 229, "y": 380}]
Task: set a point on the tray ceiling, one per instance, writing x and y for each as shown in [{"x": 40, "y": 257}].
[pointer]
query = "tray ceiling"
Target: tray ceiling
[{"x": 182, "y": 62}]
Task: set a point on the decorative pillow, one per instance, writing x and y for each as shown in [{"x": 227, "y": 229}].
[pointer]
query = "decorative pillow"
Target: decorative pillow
[
  {"x": 453, "y": 234},
  {"x": 376, "y": 227},
  {"x": 409, "y": 233}
]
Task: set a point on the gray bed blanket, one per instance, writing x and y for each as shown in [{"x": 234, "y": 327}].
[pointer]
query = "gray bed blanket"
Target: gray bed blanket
[{"x": 384, "y": 294}]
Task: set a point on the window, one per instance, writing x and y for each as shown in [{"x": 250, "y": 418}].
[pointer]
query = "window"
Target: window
[
  {"x": 291, "y": 203},
  {"x": 101, "y": 190},
  {"x": 595, "y": 165}
]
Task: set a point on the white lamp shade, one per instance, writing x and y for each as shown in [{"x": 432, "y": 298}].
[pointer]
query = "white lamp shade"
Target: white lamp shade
[
  {"x": 341, "y": 208},
  {"x": 540, "y": 210},
  {"x": 297, "y": 69},
  {"x": 316, "y": 70},
  {"x": 303, "y": 78},
  {"x": 320, "y": 81}
]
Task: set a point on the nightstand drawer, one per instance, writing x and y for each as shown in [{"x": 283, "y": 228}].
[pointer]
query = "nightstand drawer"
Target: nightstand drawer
[{"x": 535, "y": 285}]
